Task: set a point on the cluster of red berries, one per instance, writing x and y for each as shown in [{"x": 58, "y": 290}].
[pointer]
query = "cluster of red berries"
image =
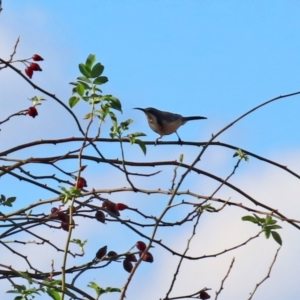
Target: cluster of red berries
[
  {"x": 110, "y": 206},
  {"x": 129, "y": 257},
  {"x": 63, "y": 217},
  {"x": 144, "y": 255},
  {"x": 33, "y": 66}
]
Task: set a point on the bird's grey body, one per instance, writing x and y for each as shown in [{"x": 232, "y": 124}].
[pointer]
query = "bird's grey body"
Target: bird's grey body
[{"x": 163, "y": 122}]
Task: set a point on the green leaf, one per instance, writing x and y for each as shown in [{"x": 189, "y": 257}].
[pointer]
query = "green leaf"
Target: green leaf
[
  {"x": 241, "y": 154},
  {"x": 181, "y": 158},
  {"x": 80, "y": 88},
  {"x": 113, "y": 101},
  {"x": 111, "y": 290},
  {"x": 88, "y": 116},
  {"x": 90, "y": 61},
  {"x": 84, "y": 79},
  {"x": 250, "y": 219},
  {"x": 84, "y": 70},
  {"x": 73, "y": 101},
  {"x": 267, "y": 233},
  {"x": 96, "y": 287},
  {"x": 276, "y": 237},
  {"x": 207, "y": 207},
  {"x": 142, "y": 145},
  {"x": 113, "y": 119},
  {"x": 272, "y": 227},
  {"x": 100, "y": 80},
  {"x": 268, "y": 220},
  {"x": 97, "y": 70},
  {"x": 9, "y": 201},
  {"x": 53, "y": 294},
  {"x": 135, "y": 134},
  {"x": 86, "y": 85},
  {"x": 124, "y": 125}
]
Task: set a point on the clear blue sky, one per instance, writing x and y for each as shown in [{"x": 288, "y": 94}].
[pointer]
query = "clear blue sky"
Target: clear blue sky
[{"x": 211, "y": 58}]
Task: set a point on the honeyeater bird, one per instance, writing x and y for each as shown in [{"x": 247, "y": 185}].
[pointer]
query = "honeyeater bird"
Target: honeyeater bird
[{"x": 164, "y": 123}]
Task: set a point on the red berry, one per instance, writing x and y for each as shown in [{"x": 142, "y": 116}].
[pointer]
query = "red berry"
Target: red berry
[
  {"x": 99, "y": 215},
  {"x": 121, "y": 206},
  {"x": 112, "y": 254},
  {"x": 101, "y": 252},
  {"x": 127, "y": 265},
  {"x": 29, "y": 72},
  {"x": 140, "y": 245},
  {"x": 131, "y": 257},
  {"x": 32, "y": 112},
  {"x": 35, "y": 67},
  {"x": 111, "y": 207},
  {"x": 54, "y": 210},
  {"x": 80, "y": 183},
  {"x": 65, "y": 226},
  {"x": 62, "y": 216},
  {"x": 36, "y": 57},
  {"x": 146, "y": 256}
]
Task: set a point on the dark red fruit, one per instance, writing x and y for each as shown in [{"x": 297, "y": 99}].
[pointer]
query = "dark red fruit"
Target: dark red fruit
[
  {"x": 29, "y": 72},
  {"x": 127, "y": 265},
  {"x": 62, "y": 216},
  {"x": 111, "y": 207},
  {"x": 54, "y": 210},
  {"x": 99, "y": 215},
  {"x": 146, "y": 256},
  {"x": 121, "y": 206},
  {"x": 80, "y": 183},
  {"x": 32, "y": 112},
  {"x": 36, "y": 57},
  {"x": 112, "y": 255},
  {"x": 203, "y": 295},
  {"x": 140, "y": 245},
  {"x": 35, "y": 67},
  {"x": 101, "y": 252},
  {"x": 65, "y": 226},
  {"x": 131, "y": 257}
]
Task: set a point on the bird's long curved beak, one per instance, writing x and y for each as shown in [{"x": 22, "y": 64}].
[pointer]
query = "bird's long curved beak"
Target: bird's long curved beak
[{"x": 142, "y": 109}]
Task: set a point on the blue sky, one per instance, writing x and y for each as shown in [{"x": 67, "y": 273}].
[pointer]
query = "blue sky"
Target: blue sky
[{"x": 211, "y": 58}]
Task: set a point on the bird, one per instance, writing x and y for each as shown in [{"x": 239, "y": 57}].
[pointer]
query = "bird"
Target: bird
[{"x": 164, "y": 122}]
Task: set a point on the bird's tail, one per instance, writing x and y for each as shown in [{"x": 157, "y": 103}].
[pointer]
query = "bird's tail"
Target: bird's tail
[{"x": 193, "y": 118}]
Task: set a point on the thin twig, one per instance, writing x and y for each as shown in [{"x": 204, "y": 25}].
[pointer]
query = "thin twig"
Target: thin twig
[{"x": 267, "y": 276}]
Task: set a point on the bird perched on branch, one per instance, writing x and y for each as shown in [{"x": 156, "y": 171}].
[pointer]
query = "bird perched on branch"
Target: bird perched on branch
[{"x": 164, "y": 123}]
